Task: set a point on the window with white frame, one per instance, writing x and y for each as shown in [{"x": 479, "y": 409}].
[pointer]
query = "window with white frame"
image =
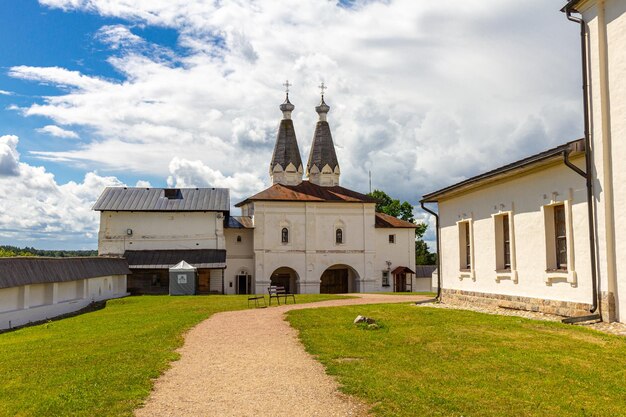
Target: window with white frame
[
  {"x": 503, "y": 242},
  {"x": 559, "y": 243},
  {"x": 385, "y": 278},
  {"x": 339, "y": 236},
  {"x": 465, "y": 246}
]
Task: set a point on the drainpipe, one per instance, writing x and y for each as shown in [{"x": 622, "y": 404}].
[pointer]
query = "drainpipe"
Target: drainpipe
[
  {"x": 438, "y": 298},
  {"x": 588, "y": 156}
]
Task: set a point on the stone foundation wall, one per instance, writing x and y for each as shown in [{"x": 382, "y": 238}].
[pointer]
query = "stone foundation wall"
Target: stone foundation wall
[
  {"x": 607, "y": 306},
  {"x": 560, "y": 308}
]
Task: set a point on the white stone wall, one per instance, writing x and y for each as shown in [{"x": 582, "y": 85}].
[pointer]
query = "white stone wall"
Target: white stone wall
[
  {"x": 159, "y": 230},
  {"x": 31, "y": 303},
  {"x": 401, "y": 253},
  {"x": 239, "y": 257},
  {"x": 607, "y": 69},
  {"x": 525, "y": 198}
]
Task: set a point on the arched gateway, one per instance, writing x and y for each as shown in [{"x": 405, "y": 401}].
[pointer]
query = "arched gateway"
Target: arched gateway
[
  {"x": 285, "y": 277},
  {"x": 339, "y": 279}
]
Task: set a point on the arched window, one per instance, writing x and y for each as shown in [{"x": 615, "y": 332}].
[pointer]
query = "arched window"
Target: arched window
[
  {"x": 238, "y": 238},
  {"x": 284, "y": 235},
  {"x": 339, "y": 236}
]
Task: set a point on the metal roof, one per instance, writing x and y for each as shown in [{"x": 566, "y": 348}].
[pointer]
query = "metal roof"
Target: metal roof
[
  {"x": 19, "y": 271},
  {"x": 165, "y": 258},
  {"x": 239, "y": 222},
  {"x": 545, "y": 157},
  {"x": 286, "y": 148},
  {"x": 154, "y": 199},
  {"x": 386, "y": 221},
  {"x": 307, "y": 191},
  {"x": 422, "y": 271},
  {"x": 322, "y": 151}
]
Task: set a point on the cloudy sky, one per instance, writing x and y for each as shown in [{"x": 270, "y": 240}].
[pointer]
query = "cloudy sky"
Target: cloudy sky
[{"x": 185, "y": 93}]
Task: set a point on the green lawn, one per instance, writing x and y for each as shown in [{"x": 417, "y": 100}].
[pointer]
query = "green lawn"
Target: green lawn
[
  {"x": 436, "y": 362},
  {"x": 101, "y": 363}
]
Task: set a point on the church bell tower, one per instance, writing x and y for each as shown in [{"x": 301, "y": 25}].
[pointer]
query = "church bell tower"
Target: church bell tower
[
  {"x": 323, "y": 167},
  {"x": 286, "y": 166}
]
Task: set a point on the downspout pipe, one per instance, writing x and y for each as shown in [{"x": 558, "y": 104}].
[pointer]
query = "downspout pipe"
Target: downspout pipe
[
  {"x": 438, "y": 298},
  {"x": 568, "y": 9}
]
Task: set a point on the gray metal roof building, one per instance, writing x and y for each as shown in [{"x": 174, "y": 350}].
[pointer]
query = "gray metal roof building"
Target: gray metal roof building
[
  {"x": 18, "y": 271},
  {"x": 167, "y": 258},
  {"x": 163, "y": 199}
]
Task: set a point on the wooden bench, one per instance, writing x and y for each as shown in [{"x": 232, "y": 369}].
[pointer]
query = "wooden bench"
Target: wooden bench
[
  {"x": 277, "y": 292},
  {"x": 256, "y": 299}
]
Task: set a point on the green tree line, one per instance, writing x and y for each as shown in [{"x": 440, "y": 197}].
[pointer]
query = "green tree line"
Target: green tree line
[{"x": 7, "y": 251}]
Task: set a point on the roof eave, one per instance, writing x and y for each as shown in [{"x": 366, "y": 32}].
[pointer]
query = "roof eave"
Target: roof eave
[{"x": 546, "y": 158}]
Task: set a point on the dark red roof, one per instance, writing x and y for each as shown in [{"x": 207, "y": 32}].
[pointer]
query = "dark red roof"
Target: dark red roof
[
  {"x": 384, "y": 220},
  {"x": 402, "y": 270},
  {"x": 307, "y": 191}
]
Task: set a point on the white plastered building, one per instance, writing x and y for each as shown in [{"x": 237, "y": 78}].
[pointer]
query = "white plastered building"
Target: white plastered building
[
  {"x": 520, "y": 236},
  {"x": 311, "y": 236}
]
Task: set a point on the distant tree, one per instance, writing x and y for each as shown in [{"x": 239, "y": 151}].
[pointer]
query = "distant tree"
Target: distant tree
[
  {"x": 10, "y": 251},
  {"x": 386, "y": 204}
]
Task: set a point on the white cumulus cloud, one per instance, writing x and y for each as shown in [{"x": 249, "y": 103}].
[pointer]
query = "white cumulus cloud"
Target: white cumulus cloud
[{"x": 58, "y": 132}]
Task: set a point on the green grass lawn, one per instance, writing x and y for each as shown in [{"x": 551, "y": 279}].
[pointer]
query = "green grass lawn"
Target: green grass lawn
[
  {"x": 101, "y": 363},
  {"x": 436, "y": 362}
]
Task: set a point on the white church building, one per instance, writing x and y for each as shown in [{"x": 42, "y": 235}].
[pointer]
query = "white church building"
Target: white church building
[
  {"x": 548, "y": 233},
  {"x": 309, "y": 235}
]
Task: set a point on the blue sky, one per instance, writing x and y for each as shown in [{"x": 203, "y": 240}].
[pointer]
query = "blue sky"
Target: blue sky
[{"x": 186, "y": 93}]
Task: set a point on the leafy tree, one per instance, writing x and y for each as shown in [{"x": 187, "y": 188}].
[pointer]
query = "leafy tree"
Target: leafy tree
[{"x": 386, "y": 204}]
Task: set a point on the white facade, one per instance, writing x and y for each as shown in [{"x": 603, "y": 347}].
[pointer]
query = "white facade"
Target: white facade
[
  {"x": 312, "y": 249},
  {"x": 31, "y": 303},
  {"x": 125, "y": 230},
  {"x": 528, "y": 200},
  {"x": 606, "y": 63}
]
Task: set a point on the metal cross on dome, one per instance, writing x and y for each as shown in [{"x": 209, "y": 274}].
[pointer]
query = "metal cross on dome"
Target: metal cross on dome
[
  {"x": 322, "y": 87},
  {"x": 287, "y": 85}
]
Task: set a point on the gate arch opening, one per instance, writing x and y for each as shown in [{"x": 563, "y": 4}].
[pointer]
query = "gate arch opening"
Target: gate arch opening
[
  {"x": 285, "y": 277},
  {"x": 339, "y": 279}
]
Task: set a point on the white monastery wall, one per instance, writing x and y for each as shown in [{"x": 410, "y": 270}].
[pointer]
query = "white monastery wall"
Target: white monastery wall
[
  {"x": 528, "y": 200},
  {"x": 159, "y": 230},
  {"x": 31, "y": 303},
  {"x": 607, "y": 92}
]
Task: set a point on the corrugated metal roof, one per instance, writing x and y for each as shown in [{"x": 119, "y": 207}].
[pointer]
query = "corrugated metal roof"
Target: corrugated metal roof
[
  {"x": 576, "y": 147},
  {"x": 19, "y": 271},
  {"x": 307, "y": 191},
  {"x": 165, "y": 258},
  {"x": 239, "y": 222},
  {"x": 422, "y": 271},
  {"x": 386, "y": 221},
  {"x": 153, "y": 199}
]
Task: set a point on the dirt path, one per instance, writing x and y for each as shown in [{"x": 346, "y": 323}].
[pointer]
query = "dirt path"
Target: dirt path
[{"x": 251, "y": 363}]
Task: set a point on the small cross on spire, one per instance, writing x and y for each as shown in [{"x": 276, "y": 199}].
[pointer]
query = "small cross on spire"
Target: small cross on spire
[
  {"x": 322, "y": 87},
  {"x": 286, "y": 84}
]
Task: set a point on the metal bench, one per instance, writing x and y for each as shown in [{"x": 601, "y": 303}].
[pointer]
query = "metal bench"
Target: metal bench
[
  {"x": 277, "y": 292},
  {"x": 256, "y": 299}
]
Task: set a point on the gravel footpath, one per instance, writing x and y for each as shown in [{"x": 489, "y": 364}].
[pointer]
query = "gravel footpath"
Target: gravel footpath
[{"x": 251, "y": 363}]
